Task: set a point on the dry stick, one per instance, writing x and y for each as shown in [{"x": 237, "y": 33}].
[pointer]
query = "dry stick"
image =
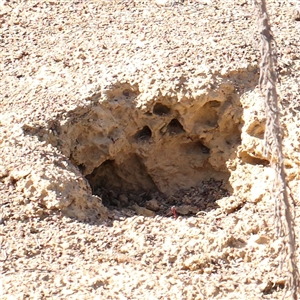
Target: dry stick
[{"x": 273, "y": 148}]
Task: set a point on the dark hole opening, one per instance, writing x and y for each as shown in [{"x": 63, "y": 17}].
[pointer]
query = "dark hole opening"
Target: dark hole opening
[
  {"x": 246, "y": 158},
  {"x": 81, "y": 168},
  {"x": 111, "y": 180},
  {"x": 128, "y": 185},
  {"x": 126, "y": 93},
  {"x": 160, "y": 109},
  {"x": 143, "y": 134},
  {"x": 175, "y": 127},
  {"x": 203, "y": 149},
  {"x": 214, "y": 103},
  {"x": 272, "y": 287}
]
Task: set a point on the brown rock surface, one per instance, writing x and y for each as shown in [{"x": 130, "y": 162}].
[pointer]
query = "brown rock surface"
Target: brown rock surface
[{"x": 106, "y": 105}]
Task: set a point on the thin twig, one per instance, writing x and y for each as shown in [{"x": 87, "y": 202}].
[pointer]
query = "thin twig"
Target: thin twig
[{"x": 284, "y": 207}]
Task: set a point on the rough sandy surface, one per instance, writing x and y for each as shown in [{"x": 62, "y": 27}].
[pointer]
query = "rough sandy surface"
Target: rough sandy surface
[{"x": 145, "y": 107}]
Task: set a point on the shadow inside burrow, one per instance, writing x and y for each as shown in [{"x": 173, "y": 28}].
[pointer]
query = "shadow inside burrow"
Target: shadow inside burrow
[
  {"x": 184, "y": 203},
  {"x": 161, "y": 159}
]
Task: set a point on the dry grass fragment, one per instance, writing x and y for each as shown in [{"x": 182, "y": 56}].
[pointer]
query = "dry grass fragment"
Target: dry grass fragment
[{"x": 273, "y": 148}]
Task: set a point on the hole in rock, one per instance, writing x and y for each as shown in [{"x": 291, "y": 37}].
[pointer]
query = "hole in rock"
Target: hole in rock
[
  {"x": 174, "y": 127},
  {"x": 143, "y": 134},
  {"x": 146, "y": 159},
  {"x": 215, "y": 103},
  {"x": 185, "y": 168},
  {"x": 248, "y": 159},
  {"x": 174, "y": 172},
  {"x": 195, "y": 147},
  {"x": 112, "y": 179},
  {"x": 81, "y": 168},
  {"x": 257, "y": 129},
  {"x": 273, "y": 287},
  {"x": 207, "y": 115},
  {"x": 160, "y": 109},
  {"x": 126, "y": 93}
]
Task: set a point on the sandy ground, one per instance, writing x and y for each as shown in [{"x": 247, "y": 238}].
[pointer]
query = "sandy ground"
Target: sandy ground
[{"x": 57, "y": 239}]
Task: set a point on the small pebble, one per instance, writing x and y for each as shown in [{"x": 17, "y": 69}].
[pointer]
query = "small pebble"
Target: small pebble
[
  {"x": 152, "y": 205},
  {"x": 123, "y": 199},
  {"x": 142, "y": 211}
]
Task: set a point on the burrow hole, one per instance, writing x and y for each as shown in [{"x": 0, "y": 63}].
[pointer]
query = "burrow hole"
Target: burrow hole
[
  {"x": 160, "y": 109},
  {"x": 151, "y": 163},
  {"x": 248, "y": 159},
  {"x": 143, "y": 134},
  {"x": 175, "y": 127}
]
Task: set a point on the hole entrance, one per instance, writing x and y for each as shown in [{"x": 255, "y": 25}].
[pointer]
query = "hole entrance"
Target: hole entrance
[
  {"x": 112, "y": 179},
  {"x": 177, "y": 174},
  {"x": 143, "y": 134},
  {"x": 184, "y": 168},
  {"x": 145, "y": 164},
  {"x": 174, "y": 127},
  {"x": 248, "y": 159},
  {"x": 195, "y": 148},
  {"x": 215, "y": 103},
  {"x": 160, "y": 109}
]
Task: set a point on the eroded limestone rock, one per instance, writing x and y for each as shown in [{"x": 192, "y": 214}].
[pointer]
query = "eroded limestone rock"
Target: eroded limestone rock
[{"x": 166, "y": 144}]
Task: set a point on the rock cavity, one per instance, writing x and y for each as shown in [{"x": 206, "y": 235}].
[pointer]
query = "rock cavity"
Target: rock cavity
[{"x": 164, "y": 144}]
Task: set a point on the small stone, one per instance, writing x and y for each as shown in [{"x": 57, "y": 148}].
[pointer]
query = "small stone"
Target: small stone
[
  {"x": 33, "y": 230},
  {"x": 46, "y": 277},
  {"x": 142, "y": 211},
  {"x": 152, "y": 205},
  {"x": 183, "y": 209},
  {"x": 172, "y": 258}
]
